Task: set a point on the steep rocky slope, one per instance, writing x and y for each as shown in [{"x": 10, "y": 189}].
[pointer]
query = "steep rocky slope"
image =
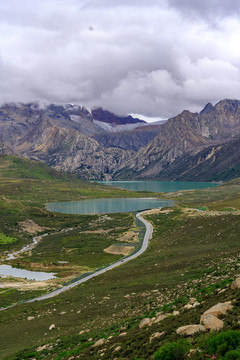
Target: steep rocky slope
[
  {"x": 190, "y": 146},
  {"x": 185, "y": 135},
  {"x": 59, "y": 136}
]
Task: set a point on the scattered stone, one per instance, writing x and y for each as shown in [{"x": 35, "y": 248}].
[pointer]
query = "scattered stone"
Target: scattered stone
[
  {"x": 118, "y": 348},
  {"x": 41, "y": 348},
  {"x": 106, "y": 298},
  {"x": 192, "y": 301},
  {"x": 63, "y": 313},
  {"x": 81, "y": 332},
  {"x": 99, "y": 343},
  {"x": 235, "y": 284},
  {"x": 175, "y": 313},
  {"x": 188, "y": 306},
  {"x": 156, "y": 335},
  {"x": 145, "y": 322},
  {"x": 219, "y": 309},
  {"x": 51, "y": 327},
  {"x": 211, "y": 322},
  {"x": 110, "y": 337},
  {"x": 161, "y": 317},
  {"x": 222, "y": 291},
  {"x": 123, "y": 334},
  {"x": 192, "y": 352},
  {"x": 78, "y": 312},
  {"x": 30, "y": 318},
  {"x": 190, "y": 329},
  {"x": 127, "y": 296}
]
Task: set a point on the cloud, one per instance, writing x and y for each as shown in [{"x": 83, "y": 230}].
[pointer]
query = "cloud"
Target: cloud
[{"x": 153, "y": 58}]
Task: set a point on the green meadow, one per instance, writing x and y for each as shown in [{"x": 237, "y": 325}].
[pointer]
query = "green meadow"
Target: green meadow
[{"x": 191, "y": 254}]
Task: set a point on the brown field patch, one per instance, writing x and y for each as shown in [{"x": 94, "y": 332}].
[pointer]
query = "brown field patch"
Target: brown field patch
[{"x": 119, "y": 250}]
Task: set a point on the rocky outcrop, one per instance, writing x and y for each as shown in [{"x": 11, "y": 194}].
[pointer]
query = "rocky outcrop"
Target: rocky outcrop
[
  {"x": 218, "y": 309},
  {"x": 235, "y": 284},
  {"x": 190, "y": 329},
  {"x": 211, "y": 322},
  {"x": 145, "y": 322},
  {"x": 98, "y": 343}
]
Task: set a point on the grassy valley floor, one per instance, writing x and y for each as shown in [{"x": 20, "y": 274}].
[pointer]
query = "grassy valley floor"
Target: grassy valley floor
[{"x": 192, "y": 254}]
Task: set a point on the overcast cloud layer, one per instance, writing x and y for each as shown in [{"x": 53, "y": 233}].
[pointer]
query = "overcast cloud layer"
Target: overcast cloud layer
[{"x": 155, "y": 58}]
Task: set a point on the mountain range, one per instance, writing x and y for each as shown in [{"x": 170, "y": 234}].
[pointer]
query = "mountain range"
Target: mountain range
[{"x": 100, "y": 145}]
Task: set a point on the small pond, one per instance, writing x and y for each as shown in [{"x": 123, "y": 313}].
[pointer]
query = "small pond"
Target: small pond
[{"x": 8, "y": 270}]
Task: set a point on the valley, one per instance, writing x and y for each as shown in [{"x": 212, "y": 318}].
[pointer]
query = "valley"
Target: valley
[{"x": 180, "y": 263}]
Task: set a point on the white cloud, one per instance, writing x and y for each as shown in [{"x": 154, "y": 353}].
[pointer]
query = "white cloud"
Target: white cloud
[{"x": 131, "y": 56}]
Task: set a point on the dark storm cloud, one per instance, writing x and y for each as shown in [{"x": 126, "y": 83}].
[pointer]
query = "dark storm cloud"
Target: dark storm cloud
[
  {"x": 209, "y": 8},
  {"x": 130, "y": 56}
]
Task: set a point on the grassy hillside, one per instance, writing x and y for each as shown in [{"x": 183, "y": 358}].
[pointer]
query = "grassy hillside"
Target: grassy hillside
[
  {"x": 25, "y": 187},
  {"x": 192, "y": 254}
]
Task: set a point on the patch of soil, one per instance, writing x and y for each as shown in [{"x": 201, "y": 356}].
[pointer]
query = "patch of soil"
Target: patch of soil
[
  {"x": 119, "y": 250},
  {"x": 31, "y": 227}
]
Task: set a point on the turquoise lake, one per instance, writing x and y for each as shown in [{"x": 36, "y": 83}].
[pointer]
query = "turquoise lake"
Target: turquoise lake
[
  {"x": 159, "y": 186},
  {"x": 104, "y": 206}
]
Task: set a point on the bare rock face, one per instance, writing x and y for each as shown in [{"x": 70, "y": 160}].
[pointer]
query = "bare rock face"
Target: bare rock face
[
  {"x": 181, "y": 154},
  {"x": 189, "y": 330},
  {"x": 211, "y": 322},
  {"x": 235, "y": 284},
  {"x": 145, "y": 322},
  {"x": 219, "y": 309}
]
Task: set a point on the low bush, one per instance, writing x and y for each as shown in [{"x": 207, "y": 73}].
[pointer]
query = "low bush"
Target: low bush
[
  {"x": 224, "y": 343},
  {"x": 173, "y": 351}
]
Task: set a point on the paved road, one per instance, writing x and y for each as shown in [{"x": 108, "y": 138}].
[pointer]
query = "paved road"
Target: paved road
[{"x": 147, "y": 237}]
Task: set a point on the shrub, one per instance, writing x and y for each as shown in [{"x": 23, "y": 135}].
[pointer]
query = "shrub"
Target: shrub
[
  {"x": 232, "y": 355},
  {"x": 224, "y": 342},
  {"x": 173, "y": 351}
]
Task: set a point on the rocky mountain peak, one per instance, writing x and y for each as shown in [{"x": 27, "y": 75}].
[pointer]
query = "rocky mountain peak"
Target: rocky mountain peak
[
  {"x": 108, "y": 117},
  {"x": 207, "y": 109}
]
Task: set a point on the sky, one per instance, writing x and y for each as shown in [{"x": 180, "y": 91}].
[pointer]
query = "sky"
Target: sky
[{"x": 155, "y": 57}]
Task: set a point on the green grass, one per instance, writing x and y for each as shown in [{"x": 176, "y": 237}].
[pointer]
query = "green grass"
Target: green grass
[
  {"x": 178, "y": 263},
  {"x": 6, "y": 239},
  {"x": 187, "y": 256}
]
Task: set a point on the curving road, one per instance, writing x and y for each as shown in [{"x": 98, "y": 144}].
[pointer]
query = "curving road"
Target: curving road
[{"x": 147, "y": 237}]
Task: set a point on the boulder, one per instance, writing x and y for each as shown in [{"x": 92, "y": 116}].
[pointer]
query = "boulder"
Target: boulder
[
  {"x": 156, "y": 335},
  {"x": 211, "y": 322},
  {"x": 175, "y": 313},
  {"x": 118, "y": 348},
  {"x": 99, "y": 343},
  {"x": 51, "y": 327},
  {"x": 235, "y": 284},
  {"x": 190, "y": 329},
  {"x": 123, "y": 334},
  {"x": 161, "y": 317},
  {"x": 188, "y": 306},
  {"x": 145, "y": 322},
  {"x": 30, "y": 318},
  {"x": 219, "y": 309}
]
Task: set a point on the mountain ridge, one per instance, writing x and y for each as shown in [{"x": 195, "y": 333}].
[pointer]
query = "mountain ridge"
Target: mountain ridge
[{"x": 68, "y": 138}]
